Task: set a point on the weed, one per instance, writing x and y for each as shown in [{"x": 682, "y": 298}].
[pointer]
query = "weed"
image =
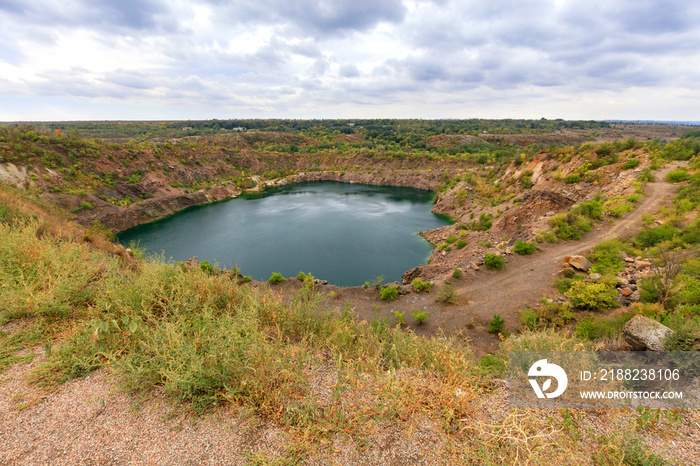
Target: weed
[
  {"x": 419, "y": 316},
  {"x": 496, "y": 325},
  {"x": 276, "y": 277},
  {"x": 419, "y": 285},
  {"x": 389, "y": 293},
  {"x": 447, "y": 295}
]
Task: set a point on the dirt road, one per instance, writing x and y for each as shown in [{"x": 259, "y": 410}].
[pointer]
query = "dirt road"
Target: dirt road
[{"x": 526, "y": 279}]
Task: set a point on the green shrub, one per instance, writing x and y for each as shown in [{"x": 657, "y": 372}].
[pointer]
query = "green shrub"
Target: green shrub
[
  {"x": 592, "y": 296},
  {"x": 461, "y": 243},
  {"x": 451, "y": 239},
  {"x": 529, "y": 319},
  {"x": 301, "y": 276},
  {"x": 419, "y": 285},
  {"x": 419, "y": 316},
  {"x": 606, "y": 257},
  {"x": 564, "y": 284},
  {"x": 678, "y": 175},
  {"x": 603, "y": 327},
  {"x": 631, "y": 163},
  {"x": 573, "y": 178},
  {"x": 484, "y": 223},
  {"x": 523, "y": 247},
  {"x": 207, "y": 268},
  {"x": 494, "y": 261},
  {"x": 647, "y": 176},
  {"x": 276, "y": 278},
  {"x": 389, "y": 293},
  {"x": 546, "y": 236},
  {"x": 447, "y": 295},
  {"x": 654, "y": 236},
  {"x": 457, "y": 273},
  {"x": 400, "y": 317},
  {"x": 496, "y": 325},
  {"x": 567, "y": 226}
]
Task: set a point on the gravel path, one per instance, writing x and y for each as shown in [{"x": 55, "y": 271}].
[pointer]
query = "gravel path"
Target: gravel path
[{"x": 89, "y": 421}]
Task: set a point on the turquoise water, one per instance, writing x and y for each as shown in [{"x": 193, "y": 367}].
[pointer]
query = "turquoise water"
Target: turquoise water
[{"x": 344, "y": 233}]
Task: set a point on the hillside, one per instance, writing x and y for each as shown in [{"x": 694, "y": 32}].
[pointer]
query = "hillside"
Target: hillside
[{"x": 304, "y": 372}]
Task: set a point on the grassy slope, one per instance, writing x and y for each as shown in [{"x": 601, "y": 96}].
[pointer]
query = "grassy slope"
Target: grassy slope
[{"x": 209, "y": 341}]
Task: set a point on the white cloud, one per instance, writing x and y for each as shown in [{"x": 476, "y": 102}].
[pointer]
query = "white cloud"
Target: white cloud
[{"x": 359, "y": 58}]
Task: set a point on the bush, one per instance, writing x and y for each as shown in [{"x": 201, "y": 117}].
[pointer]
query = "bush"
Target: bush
[
  {"x": 451, "y": 239},
  {"x": 496, "y": 325},
  {"x": 654, "y": 236},
  {"x": 678, "y": 175},
  {"x": 564, "y": 284},
  {"x": 389, "y": 293},
  {"x": 567, "y": 226},
  {"x": 647, "y": 176},
  {"x": 592, "y": 296},
  {"x": 631, "y": 163},
  {"x": 419, "y": 285},
  {"x": 529, "y": 319},
  {"x": 574, "y": 178},
  {"x": 207, "y": 268},
  {"x": 461, "y": 243},
  {"x": 400, "y": 317},
  {"x": 494, "y": 261},
  {"x": 419, "y": 316},
  {"x": 447, "y": 294},
  {"x": 523, "y": 247},
  {"x": 603, "y": 327},
  {"x": 276, "y": 278},
  {"x": 457, "y": 273},
  {"x": 606, "y": 257}
]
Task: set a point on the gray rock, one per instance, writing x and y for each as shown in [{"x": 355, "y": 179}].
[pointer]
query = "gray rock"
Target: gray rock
[
  {"x": 635, "y": 296},
  {"x": 643, "y": 333},
  {"x": 595, "y": 276},
  {"x": 622, "y": 281}
]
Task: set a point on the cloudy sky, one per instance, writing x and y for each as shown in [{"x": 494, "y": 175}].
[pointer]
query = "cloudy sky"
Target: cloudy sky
[{"x": 186, "y": 59}]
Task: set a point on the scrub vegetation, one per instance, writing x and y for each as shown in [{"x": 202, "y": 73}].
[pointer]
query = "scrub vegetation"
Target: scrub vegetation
[{"x": 209, "y": 337}]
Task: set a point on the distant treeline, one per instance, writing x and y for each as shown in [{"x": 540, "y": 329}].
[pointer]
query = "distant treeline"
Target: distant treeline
[{"x": 386, "y": 130}]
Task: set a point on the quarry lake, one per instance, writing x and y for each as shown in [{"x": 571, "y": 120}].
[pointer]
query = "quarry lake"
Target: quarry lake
[{"x": 344, "y": 233}]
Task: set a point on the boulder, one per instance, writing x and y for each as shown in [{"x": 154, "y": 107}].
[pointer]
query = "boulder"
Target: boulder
[
  {"x": 643, "y": 333},
  {"x": 577, "y": 262},
  {"x": 622, "y": 281},
  {"x": 595, "y": 276},
  {"x": 641, "y": 265}
]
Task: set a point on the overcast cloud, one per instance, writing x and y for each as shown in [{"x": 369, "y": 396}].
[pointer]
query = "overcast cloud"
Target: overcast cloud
[{"x": 180, "y": 59}]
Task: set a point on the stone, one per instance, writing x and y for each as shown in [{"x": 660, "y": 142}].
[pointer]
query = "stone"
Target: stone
[
  {"x": 643, "y": 333},
  {"x": 626, "y": 257},
  {"x": 622, "y": 281},
  {"x": 626, "y": 292},
  {"x": 641, "y": 265},
  {"x": 595, "y": 276},
  {"x": 577, "y": 262},
  {"x": 635, "y": 296}
]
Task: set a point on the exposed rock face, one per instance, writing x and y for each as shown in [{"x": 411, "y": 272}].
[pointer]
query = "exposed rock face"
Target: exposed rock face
[
  {"x": 577, "y": 262},
  {"x": 643, "y": 333}
]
